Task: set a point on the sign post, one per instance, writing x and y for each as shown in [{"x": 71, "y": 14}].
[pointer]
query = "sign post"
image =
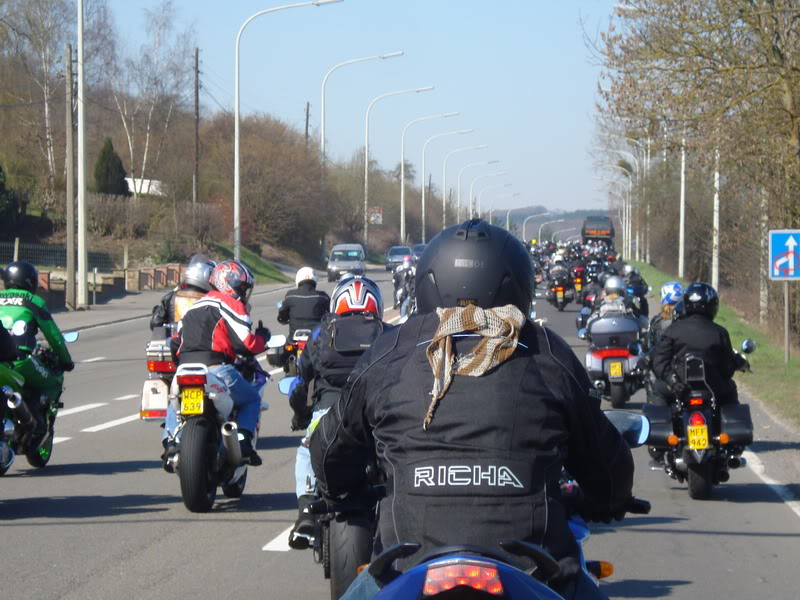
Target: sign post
[{"x": 784, "y": 265}]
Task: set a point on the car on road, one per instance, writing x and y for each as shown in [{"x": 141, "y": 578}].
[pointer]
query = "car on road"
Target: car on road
[
  {"x": 417, "y": 250},
  {"x": 346, "y": 258},
  {"x": 395, "y": 256}
]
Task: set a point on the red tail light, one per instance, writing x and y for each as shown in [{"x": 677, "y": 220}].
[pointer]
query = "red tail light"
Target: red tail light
[
  {"x": 160, "y": 366},
  {"x": 579, "y": 280},
  {"x": 611, "y": 353},
  {"x": 697, "y": 419},
  {"x": 191, "y": 379},
  {"x": 559, "y": 288},
  {"x": 152, "y": 414},
  {"x": 301, "y": 345},
  {"x": 445, "y": 576},
  {"x": 695, "y": 401}
]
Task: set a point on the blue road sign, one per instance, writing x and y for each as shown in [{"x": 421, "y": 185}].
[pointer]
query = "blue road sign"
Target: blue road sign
[{"x": 784, "y": 258}]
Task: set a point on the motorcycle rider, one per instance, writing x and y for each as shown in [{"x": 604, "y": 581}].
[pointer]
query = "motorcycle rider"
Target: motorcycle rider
[
  {"x": 176, "y": 302},
  {"x": 671, "y": 294},
  {"x": 213, "y": 332},
  {"x": 633, "y": 277},
  {"x": 696, "y": 333},
  {"x": 353, "y": 323},
  {"x": 403, "y": 279},
  {"x": 434, "y": 393},
  {"x": 304, "y": 306},
  {"x": 28, "y": 314}
]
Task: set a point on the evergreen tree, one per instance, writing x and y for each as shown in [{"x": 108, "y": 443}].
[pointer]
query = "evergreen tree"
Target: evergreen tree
[{"x": 109, "y": 174}]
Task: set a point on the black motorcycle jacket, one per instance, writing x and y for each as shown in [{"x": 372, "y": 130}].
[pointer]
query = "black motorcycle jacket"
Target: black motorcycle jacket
[
  {"x": 559, "y": 271},
  {"x": 303, "y": 307},
  {"x": 487, "y": 468},
  {"x": 698, "y": 334}
]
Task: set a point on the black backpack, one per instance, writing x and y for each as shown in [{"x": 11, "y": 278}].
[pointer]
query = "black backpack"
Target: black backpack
[{"x": 342, "y": 340}]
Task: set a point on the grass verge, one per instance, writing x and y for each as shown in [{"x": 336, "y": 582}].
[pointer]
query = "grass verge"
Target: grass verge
[
  {"x": 772, "y": 381},
  {"x": 264, "y": 271}
]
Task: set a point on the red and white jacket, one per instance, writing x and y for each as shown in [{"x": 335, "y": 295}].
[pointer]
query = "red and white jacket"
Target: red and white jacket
[{"x": 215, "y": 330}]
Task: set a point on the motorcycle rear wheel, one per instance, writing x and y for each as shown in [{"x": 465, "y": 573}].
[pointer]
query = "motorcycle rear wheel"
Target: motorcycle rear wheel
[
  {"x": 619, "y": 395},
  {"x": 350, "y": 546},
  {"x": 196, "y": 465},
  {"x": 700, "y": 481}
]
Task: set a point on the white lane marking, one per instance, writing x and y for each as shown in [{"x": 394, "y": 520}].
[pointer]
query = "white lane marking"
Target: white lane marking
[
  {"x": 128, "y": 397},
  {"x": 276, "y": 371},
  {"x": 110, "y": 424},
  {"x": 783, "y": 492},
  {"x": 77, "y": 409},
  {"x": 280, "y": 543},
  {"x": 91, "y": 360},
  {"x": 58, "y": 440},
  {"x": 394, "y": 320}
]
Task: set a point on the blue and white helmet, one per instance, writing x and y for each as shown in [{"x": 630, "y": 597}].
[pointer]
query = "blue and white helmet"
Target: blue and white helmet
[{"x": 671, "y": 292}]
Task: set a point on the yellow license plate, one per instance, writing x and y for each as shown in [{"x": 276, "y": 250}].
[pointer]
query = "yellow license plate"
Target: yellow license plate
[
  {"x": 559, "y": 294},
  {"x": 578, "y": 287},
  {"x": 615, "y": 369},
  {"x": 192, "y": 400},
  {"x": 698, "y": 437}
]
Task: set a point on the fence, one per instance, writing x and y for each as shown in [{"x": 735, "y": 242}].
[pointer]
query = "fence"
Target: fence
[{"x": 51, "y": 255}]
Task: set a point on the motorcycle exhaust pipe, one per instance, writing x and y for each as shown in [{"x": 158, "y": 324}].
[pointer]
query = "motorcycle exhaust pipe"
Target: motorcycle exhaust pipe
[
  {"x": 680, "y": 465},
  {"x": 599, "y": 385},
  {"x": 737, "y": 462},
  {"x": 230, "y": 437},
  {"x": 20, "y": 409},
  {"x": 723, "y": 476}
]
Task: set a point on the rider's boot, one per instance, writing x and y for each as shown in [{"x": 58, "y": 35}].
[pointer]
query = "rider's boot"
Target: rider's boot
[
  {"x": 170, "y": 450},
  {"x": 248, "y": 452},
  {"x": 304, "y": 526}
]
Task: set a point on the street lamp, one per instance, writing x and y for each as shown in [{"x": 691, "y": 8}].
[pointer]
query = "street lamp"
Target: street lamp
[
  {"x": 626, "y": 225},
  {"x": 489, "y": 187},
  {"x": 403, "y": 169},
  {"x": 325, "y": 81},
  {"x": 506, "y": 197},
  {"x": 472, "y": 187},
  {"x": 237, "y": 240},
  {"x": 424, "y": 149},
  {"x": 460, "y": 173},
  {"x": 562, "y": 231},
  {"x": 525, "y": 222},
  {"x": 366, "y": 154},
  {"x": 444, "y": 178},
  {"x": 539, "y": 236}
]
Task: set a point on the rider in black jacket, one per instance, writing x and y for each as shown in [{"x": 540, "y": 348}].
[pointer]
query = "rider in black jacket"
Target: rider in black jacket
[
  {"x": 698, "y": 334},
  {"x": 304, "y": 306},
  {"x": 474, "y": 459}
]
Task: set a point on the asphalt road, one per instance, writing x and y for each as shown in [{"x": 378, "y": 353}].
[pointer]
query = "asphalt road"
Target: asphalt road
[{"x": 104, "y": 521}]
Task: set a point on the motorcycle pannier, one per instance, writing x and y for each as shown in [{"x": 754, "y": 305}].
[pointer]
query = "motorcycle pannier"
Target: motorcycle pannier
[
  {"x": 735, "y": 420},
  {"x": 660, "y": 418}
]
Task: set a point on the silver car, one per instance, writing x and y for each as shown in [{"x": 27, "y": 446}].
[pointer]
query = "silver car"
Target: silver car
[{"x": 346, "y": 258}]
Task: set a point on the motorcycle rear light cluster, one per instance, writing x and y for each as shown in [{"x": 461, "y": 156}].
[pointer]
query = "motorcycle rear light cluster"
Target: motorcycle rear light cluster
[
  {"x": 441, "y": 577},
  {"x": 695, "y": 401},
  {"x": 289, "y": 347},
  {"x": 696, "y": 419},
  {"x": 560, "y": 288},
  {"x": 192, "y": 379},
  {"x": 152, "y": 414},
  {"x": 611, "y": 353},
  {"x": 160, "y": 366}
]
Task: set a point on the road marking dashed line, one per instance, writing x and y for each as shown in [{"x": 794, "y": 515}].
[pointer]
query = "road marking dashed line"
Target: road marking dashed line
[
  {"x": 280, "y": 543},
  {"x": 127, "y": 397},
  {"x": 110, "y": 424},
  {"x": 77, "y": 409},
  {"x": 91, "y": 360},
  {"x": 58, "y": 440}
]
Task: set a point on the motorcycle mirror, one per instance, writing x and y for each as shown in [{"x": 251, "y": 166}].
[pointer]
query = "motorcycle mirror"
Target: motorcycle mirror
[
  {"x": 276, "y": 341},
  {"x": 582, "y": 333},
  {"x": 533, "y": 315},
  {"x": 285, "y": 385},
  {"x": 586, "y": 311},
  {"x": 748, "y": 346},
  {"x": 278, "y": 304},
  {"x": 634, "y": 428},
  {"x": 19, "y": 328},
  {"x": 71, "y": 336}
]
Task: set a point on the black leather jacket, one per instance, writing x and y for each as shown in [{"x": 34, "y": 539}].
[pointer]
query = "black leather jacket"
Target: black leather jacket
[{"x": 303, "y": 307}]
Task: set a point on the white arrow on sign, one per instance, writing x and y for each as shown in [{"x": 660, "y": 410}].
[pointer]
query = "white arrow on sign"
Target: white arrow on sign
[{"x": 787, "y": 258}]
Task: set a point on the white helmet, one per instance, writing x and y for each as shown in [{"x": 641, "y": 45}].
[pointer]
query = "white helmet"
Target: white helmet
[
  {"x": 628, "y": 270},
  {"x": 558, "y": 258},
  {"x": 305, "y": 274}
]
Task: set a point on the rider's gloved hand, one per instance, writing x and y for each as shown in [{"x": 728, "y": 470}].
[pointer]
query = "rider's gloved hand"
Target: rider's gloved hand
[
  {"x": 69, "y": 366},
  {"x": 262, "y": 331},
  {"x": 676, "y": 385},
  {"x": 301, "y": 419}
]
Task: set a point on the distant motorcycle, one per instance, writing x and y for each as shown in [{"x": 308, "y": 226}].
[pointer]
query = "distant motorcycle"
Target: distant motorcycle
[
  {"x": 560, "y": 292},
  {"x": 699, "y": 440}
]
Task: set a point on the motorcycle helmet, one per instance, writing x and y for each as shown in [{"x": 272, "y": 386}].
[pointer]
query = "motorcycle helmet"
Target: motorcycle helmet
[
  {"x": 21, "y": 275},
  {"x": 701, "y": 298},
  {"x": 408, "y": 262},
  {"x": 671, "y": 292},
  {"x": 474, "y": 263},
  {"x": 357, "y": 294},
  {"x": 614, "y": 285},
  {"x": 233, "y": 278},
  {"x": 558, "y": 258},
  {"x": 627, "y": 270},
  {"x": 305, "y": 274},
  {"x": 679, "y": 311},
  {"x": 199, "y": 271}
]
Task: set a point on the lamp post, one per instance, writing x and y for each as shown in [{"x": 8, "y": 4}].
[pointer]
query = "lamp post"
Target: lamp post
[
  {"x": 506, "y": 197},
  {"x": 460, "y": 173},
  {"x": 627, "y": 246},
  {"x": 424, "y": 150},
  {"x": 237, "y": 240},
  {"x": 403, "y": 169},
  {"x": 489, "y": 187},
  {"x": 444, "y": 178},
  {"x": 539, "y": 236},
  {"x": 562, "y": 231},
  {"x": 472, "y": 187},
  {"x": 366, "y": 154},
  {"x": 525, "y": 222},
  {"x": 325, "y": 82}
]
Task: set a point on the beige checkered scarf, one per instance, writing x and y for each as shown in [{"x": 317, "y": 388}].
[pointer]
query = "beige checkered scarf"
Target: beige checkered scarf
[{"x": 499, "y": 330}]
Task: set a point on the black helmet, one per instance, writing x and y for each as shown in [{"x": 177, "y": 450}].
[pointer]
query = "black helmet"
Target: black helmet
[
  {"x": 701, "y": 298},
  {"x": 21, "y": 275},
  {"x": 474, "y": 263}
]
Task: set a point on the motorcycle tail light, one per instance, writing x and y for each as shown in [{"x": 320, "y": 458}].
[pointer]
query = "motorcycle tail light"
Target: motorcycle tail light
[
  {"x": 600, "y": 568},
  {"x": 289, "y": 347},
  {"x": 559, "y": 288},
  {"x": 153, "y": 414},
  {"x": 199, "y": 379},
  {"x": 160, "y": 366},
  {"x": 301, "y": 345},
  {"x": 696, "y": 419},
  {"x": 611, "y": 353},
  {"x": 443, "y": 576},
  {"x": 695, "y": 401},
  {"x": 578, "y": 280}
]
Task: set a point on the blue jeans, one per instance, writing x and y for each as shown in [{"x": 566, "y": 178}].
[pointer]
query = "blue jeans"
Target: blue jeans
[
  {"x": 246, "y": 399},
  {"x": 303, "y": 473}
]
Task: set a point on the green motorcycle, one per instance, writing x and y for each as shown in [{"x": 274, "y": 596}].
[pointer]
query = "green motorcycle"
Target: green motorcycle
[{"x": 28, "y": 422}]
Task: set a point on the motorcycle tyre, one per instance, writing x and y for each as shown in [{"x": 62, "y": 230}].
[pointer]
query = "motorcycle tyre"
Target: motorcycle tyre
[
  {"x": 196, "y": 466},
  {"x": 701, "y": 480},
  {"x": 350, "y": 546},
  {"x": 235, "y": 490},
  {"x": 560, "y": 307},
  {"x": 39, "y": 457},
  {"x": 619, "y": 395}
]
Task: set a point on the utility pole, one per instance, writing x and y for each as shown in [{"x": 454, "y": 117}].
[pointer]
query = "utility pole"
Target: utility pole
[
  {"x": 308, "y": 116},
  {"x": 196, "y": 176},
  {"x": 70, "y": 198},
  {"x": 82, "y": 300}
]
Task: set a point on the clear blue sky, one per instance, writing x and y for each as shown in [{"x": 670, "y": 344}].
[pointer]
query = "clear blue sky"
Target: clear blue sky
[{"x": 516, "y": 70}]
